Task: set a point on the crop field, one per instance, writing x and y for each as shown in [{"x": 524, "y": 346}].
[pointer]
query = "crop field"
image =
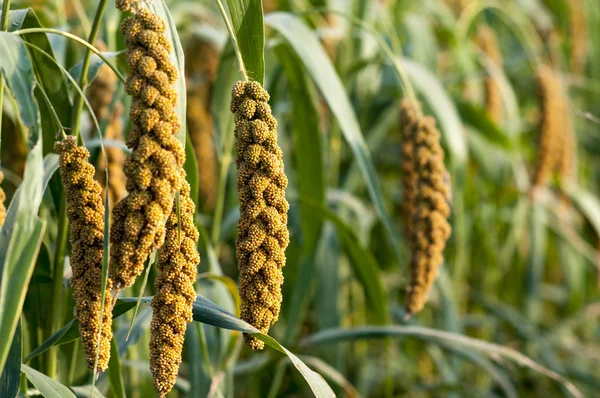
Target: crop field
[{"x": 299, "y": 198}]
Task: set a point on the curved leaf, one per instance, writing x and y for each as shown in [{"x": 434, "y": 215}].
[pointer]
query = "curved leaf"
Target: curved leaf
[
  {"x": 247, "y": 20},
  {"x": 48, "y": 387},
  {"x": 439, "y": 337},
  {"x": 206, "y": 311},
  {"x": 17, "y": 71},
  {"x": 441, "y": 104},
  {"x": 317, "y": 63},
  {"x": 363, "y": 262},
  {"x": 20, "y": 243}
]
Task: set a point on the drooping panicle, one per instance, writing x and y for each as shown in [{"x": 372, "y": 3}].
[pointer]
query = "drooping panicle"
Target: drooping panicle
[
  {"x": 410, "y": 178},
  {"x": 85, "y": 211},
  {"x": 100, "y": 95},
  {"x": 557, "y": 145},
  {"x": 579, "y": 35},
  {"x": 429, "y": 229},
  {"x": 2, "y": 199},
  {"x": 202, "y": 59},
  {"x": 152, "y": 170},
  {"x": 178, "y": 260},
  {"x": 262, "y": 234},
  {"x": 493, "y": 96}
]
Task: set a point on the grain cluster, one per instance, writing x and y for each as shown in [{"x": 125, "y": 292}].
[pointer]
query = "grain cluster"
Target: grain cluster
[
  {"x": 152, "y": 170},
  {"x": 428, "y": 188},
  {"x": 557, "y": 143},
  {"x": 2, "y": 199},
  {"x": 488, "y": 43},
  {"x": 178, "y": 260},
  {"x": 85, "y": 212},
  {"x": 100, "y": 95},
  {"x": 262, "y": 234},
  {"x": 201, "y": 64}
]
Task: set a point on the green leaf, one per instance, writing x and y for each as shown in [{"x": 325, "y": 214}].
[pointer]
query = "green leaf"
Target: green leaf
[
  {"x": 478, "y": 119},
  {"x": 70, "y": 331},
  {"x": 191, "y": 170},
  {"x": 20, "y": 243},
  {"x": 206, "y": 311},
  {"x": 177, "y": 58},
  {"x": 438, "y": 337},
  {"x": 249, "y": 29},
  {"x": 428, "y": 85},
  {"x": 48, "y": 387},
  {"x": 307, "y": 144},
  {"x": 363, "y": 262},
  {"x": 588, "y": 203},
  {"x": 317, "y": 63},
  {"x": 11, "y": 375},
  {"x": 49, "y": 75},
  {"x": 95, "y": 63},
  {"x": 17, "y": 70},
  {"x": 114, "y": 371}
]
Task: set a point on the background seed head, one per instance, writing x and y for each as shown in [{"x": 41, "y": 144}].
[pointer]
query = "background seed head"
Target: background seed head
[
  {"x": 85, "y": 211},
  {"x": 262, "y": 228},
  {"x": 100, "y": 95},
  {"x": 178, "y": 260},
  {"x": 428, "y": 206},
  {"x": 557, "y": 145},
  {"x": 152, "y": 170},
  {"x": 2, "y": 199},
  {"x": 201, "y": 68},
  {"x": 488, "y": 43}
]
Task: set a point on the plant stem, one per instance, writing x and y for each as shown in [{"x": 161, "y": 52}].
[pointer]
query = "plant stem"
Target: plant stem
[
  {"x": 3, "y": 27},
  {"x": 221, "y": 188},
  {"x": 78, "y": 40},
  {"x": 57, "y": 280},
  {"x": 236, "y": 46},
  {"x": 72, "y": 363},
  {"x": 86, "y": 65}
]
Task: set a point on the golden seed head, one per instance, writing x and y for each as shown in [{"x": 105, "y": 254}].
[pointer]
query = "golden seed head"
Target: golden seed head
[
  {"x": 2, "y": 199},
  {"x": 557, "y": 146},
  {"x": 579, "y": 35},
  {"x": 178, "y": 260},
  {"x": 427, "y": 203},
  {"x": 486, "y": 39},
  {"x": 201, "y": 69},
  {"x": 85, "y": 212},
  {"x": 152, "y": 170},
  {"x": 262, "y": 228}
]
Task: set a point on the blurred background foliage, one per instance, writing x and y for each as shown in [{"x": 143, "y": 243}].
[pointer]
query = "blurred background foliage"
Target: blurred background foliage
[{"x": 520, "y": 271}]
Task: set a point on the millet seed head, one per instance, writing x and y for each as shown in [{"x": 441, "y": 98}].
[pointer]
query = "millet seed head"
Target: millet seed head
[
  {"x": 2, "y": 199},
  {"x": 488, "y": 43},
  {"x": 202, "y": 59},
  {"x": 427, "y": 203},
  {"x": 152, "y": 170},
  {"x": 85, "y": 211},
  {"x": 557, "y": 146},
  {"x": 178, "y": 260},
  {"x": 262, "y": 234}
]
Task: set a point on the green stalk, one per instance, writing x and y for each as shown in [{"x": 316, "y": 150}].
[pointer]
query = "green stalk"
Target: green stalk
[
  {"x": 59, "y": 258},
  {"x": 236, "y": 46},
  {"x": 3, "y": 27},
  {"x": 226, "y": 159},
  {"x": 86, "y": 65}
]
